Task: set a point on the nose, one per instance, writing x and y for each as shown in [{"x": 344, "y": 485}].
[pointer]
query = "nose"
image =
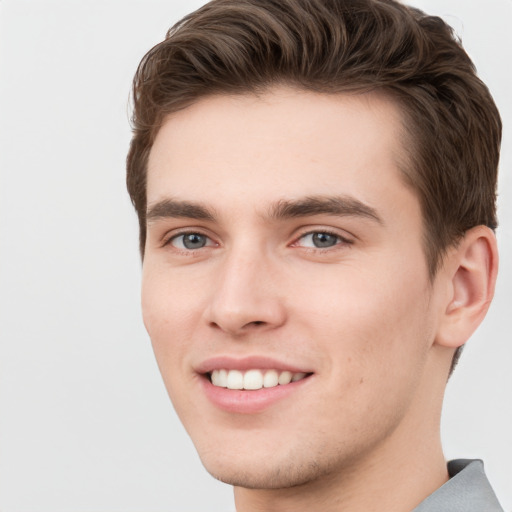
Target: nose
[{"x": 246, "y": 295}]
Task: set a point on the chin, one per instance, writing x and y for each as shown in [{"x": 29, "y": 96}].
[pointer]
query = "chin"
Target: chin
[
  {"x": 268, "y": 469},
  {"x": 267, "y": 476}
]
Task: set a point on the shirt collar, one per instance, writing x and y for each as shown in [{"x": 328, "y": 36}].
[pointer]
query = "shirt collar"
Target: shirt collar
[{"x": 468, "y": 490}]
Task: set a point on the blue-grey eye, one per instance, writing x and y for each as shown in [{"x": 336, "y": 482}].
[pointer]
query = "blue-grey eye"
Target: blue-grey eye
[
  {"x": 319, "y": 240},
  {"x": 324, "y": 240},
  {"x": 190, "y": 241},
  {"x": 194, "y": 241}
]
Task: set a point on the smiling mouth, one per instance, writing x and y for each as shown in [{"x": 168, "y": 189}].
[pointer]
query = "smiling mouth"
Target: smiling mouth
[{"x": 253, "y": 379}]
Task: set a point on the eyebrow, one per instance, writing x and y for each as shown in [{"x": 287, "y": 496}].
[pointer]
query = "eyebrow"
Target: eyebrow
[
  {"x": 171, "y": 208},
  {"x": 342, "y": 206}
]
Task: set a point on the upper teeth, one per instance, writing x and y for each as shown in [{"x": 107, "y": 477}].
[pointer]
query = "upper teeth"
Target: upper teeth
[{"x": 253, "y": 379}]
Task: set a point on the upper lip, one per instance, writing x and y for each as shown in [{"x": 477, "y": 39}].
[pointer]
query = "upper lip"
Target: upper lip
[{"x": 247, "y": 363}]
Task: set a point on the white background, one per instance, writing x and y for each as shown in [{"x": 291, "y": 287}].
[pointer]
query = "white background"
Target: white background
[{"x": 85, "y": 424}]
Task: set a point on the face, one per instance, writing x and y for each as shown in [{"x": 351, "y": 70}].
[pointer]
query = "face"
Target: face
[{"x": 285, "y": 289}]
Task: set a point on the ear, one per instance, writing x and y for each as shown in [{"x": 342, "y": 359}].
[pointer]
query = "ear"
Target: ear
[{"x": 471, "y": 268}]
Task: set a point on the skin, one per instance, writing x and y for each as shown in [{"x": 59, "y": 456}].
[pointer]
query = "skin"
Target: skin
[{"x": 360, "y": 315}]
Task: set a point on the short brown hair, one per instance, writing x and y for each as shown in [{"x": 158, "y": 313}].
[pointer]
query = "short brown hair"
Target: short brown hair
[{"x": 330, "y": 46}]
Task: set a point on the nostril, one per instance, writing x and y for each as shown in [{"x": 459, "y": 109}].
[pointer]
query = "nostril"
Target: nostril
[{"x": 256, "y": 323}]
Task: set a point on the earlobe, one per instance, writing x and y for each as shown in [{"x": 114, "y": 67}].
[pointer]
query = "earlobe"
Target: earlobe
[{"x": 472, "y": 269}]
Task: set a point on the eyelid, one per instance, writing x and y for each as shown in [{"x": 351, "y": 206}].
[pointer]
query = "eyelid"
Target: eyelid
[
  {"x": 343, "y": 239},
  {"x": 176, "y": 233}
]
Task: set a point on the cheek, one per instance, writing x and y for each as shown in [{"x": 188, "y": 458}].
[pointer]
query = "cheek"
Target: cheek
[
  {"x": 161, "y": 316},
  {"x": 393, "y": 337},
  {"x": 172, "y": 309},
  {"x": 375, "y": 343},
  {"x": 380, "y": 320},
  {"x": 167, "y": 318},
  {"x": 167, "y": 301}
]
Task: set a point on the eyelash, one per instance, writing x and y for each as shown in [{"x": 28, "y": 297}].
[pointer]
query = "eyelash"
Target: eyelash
[
  {"x": 168, "y": 241},
  {"x": 341, "y": 241}
]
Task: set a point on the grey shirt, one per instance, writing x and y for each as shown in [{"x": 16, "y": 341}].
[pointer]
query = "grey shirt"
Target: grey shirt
[{"x": 468, "y": 490}]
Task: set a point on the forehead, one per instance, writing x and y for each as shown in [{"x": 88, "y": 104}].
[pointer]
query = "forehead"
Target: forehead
[{"x": 278, "y": 145}]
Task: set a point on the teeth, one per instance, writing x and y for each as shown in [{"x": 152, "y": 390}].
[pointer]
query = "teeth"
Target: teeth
[
  {"x": 253, "y": 379},
  {"x": 235, "y": 380},
  {"x": 271, "y": 379},
  {"x": 285, "y": 378},
  {"x": 220, "y": 378}
]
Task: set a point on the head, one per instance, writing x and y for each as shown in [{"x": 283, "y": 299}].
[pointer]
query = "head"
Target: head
[
  {"x": 452, "y": 127},
  {"x": 290, "y": 57}
]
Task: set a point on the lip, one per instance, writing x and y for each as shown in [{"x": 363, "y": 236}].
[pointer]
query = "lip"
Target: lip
[
  {"x": 248, "y": 401},
  {"x": 247, "y": 363}
]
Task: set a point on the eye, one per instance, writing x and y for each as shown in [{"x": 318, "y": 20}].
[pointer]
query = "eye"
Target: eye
[
  {"x": 320, "y": 240},
  {"x": 190, "y": 241}
]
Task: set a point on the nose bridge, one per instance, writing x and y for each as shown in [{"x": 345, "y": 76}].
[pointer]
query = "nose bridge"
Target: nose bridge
[{"x": 246, "y": 292}]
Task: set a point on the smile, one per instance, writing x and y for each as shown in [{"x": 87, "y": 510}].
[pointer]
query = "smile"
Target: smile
[{"x": 253, "y": 379}]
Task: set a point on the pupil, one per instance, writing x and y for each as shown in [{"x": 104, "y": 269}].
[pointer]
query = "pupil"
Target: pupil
[
  {"x": 194, "y": 241},
  {"x": 324, "y": 240}
]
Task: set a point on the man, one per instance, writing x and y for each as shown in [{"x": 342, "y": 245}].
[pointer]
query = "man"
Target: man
[{"x": 315, "y": 182}]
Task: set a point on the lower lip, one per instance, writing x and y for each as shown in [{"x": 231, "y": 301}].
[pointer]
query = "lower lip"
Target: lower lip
[{"x": 249, "y": 401}]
